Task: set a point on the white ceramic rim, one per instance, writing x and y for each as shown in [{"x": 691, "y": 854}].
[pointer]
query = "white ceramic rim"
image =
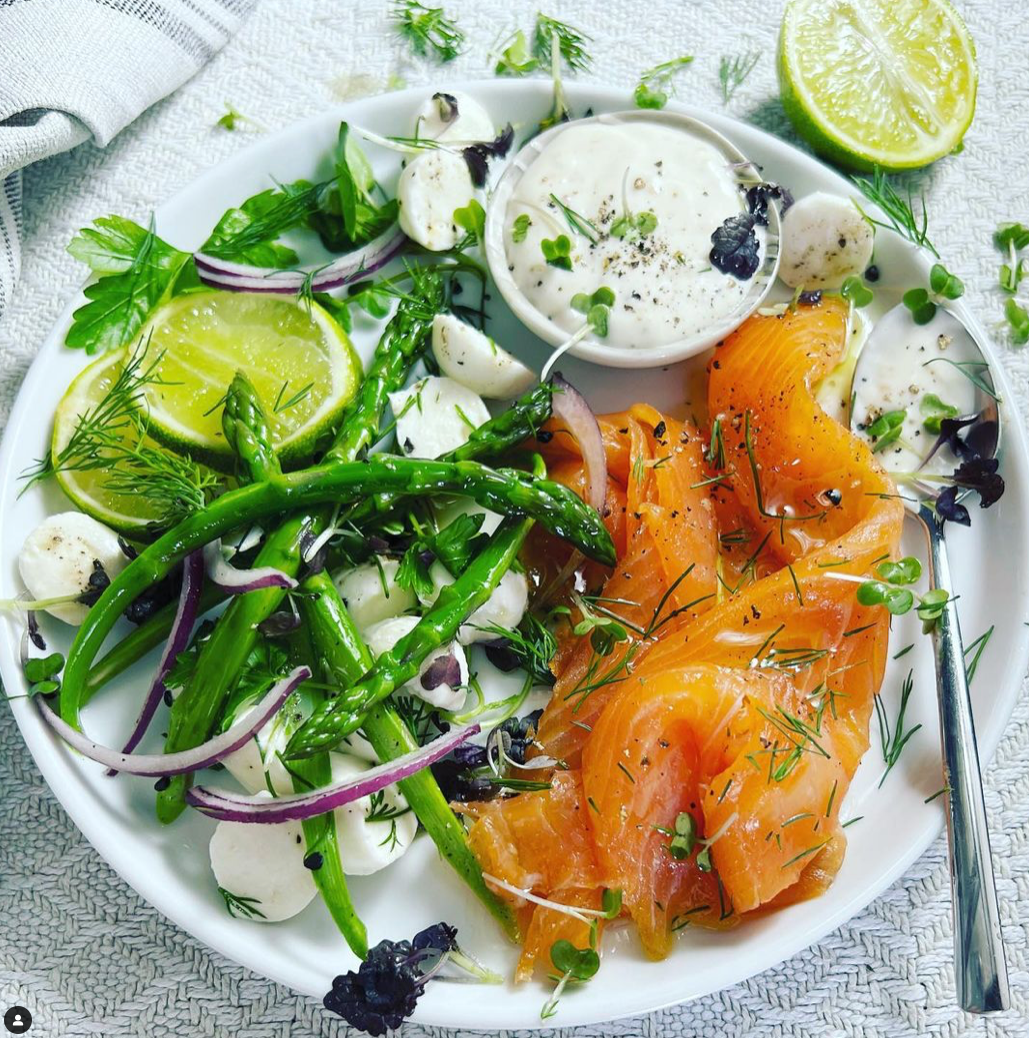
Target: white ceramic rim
[
  {"x": 61, "y": 770},
  {"x": 591, "y": 348}
]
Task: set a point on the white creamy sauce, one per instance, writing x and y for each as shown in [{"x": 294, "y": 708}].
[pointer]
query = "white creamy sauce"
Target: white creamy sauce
[
  {"x": 913, "y": 366},
  {"x": 664, "y": 284}
]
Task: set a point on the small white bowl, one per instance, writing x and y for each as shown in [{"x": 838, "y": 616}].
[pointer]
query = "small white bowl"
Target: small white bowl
[{"x": 590, "y": 348}]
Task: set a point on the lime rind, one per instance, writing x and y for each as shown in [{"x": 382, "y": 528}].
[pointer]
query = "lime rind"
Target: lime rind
[
  {"x": 934, "y": 115},
  {"x": 283, "y": 345}
]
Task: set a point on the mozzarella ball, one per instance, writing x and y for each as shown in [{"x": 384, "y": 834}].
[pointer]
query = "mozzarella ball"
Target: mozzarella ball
[
  {"x": 824, "y": 241},
  {"x": 263, "y": 862},
  {"x": 454, "y": 116},
  {"x": 449, "y": 509},
  {"x": 368, "y": 846},
  {"x": 257, "y": 764},
  {"x": 432, "y": 185},
  {"x": 381, "y": 637},
  {"x": 505, "y": 607},
  {"x": 371, "y": 593},
  {"x": 61, "y": 554},
  {"x": 435, "y": 416},
  {"x": 468, "y": 356}
]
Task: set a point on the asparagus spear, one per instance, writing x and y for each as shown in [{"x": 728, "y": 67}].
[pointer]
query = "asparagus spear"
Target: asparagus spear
[
  {"x": 507, "y": 430},
  {"x": 337, "y": 718},
  {"x": 246, "y": 427},
  {"x": 507, "y": 491},
  {"x": 344, "y": 660}
]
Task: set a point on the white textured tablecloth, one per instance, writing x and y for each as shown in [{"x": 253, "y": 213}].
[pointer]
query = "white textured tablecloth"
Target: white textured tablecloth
[{"x": 77, "y": 946}]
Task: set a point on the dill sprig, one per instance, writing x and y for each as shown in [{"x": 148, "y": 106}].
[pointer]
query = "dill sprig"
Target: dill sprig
[
  {"x": 900, "y": 213},
  {"x": 241, "y": 907},
  {"x": 112, "y": 436},
  {"x": 732, "y": 71},
  {"x": 571, "y": 43},
  {"x": 894, "y": 739},
  {"x": 427, "y": 29}
]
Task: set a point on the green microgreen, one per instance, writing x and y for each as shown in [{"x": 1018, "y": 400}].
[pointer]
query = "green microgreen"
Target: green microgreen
[
  {"x": 472, "y": 220},
  {"x": 520, "y": 228},
  {"x": 557, "y": 251},
  {"x": 656, "y": 84},
  {"x": 573, "y": 965},
  {"x": 855, "y": 291},
  {"x": 886, "y": 429},
  {"x": 1018, "y": 318},
  {"x": 934, "y": 410},
  {"x": 515, "y": 59}
]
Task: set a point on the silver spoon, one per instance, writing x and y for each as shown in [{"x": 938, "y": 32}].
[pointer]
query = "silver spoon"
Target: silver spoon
[{"x": 981, "y": 972}]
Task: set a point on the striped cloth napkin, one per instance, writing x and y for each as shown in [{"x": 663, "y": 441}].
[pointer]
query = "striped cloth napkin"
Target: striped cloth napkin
[{"x": 75, "y": 70}]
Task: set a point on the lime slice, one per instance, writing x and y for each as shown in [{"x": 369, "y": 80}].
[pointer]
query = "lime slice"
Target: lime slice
[
  {"x": 129, "y": 513},
  {"x": 877, "y": 82},
  {"x": 298, "y": 358}
]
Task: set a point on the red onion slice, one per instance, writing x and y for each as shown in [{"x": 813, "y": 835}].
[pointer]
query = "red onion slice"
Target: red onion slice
[
  {"x": 227, "y": 806},
  {"x": 570, "y": 407},
  {"x": 240, "y": 277},
  {"x": 237, "y": 581},
  {"x": 178, "y": 639},
  {"x": 202, "y": 756}
]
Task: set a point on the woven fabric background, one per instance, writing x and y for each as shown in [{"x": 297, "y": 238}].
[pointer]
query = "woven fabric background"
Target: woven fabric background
[{"x": 89, "y": 957}]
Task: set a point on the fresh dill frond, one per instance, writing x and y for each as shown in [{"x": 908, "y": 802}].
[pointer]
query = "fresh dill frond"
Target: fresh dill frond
[
  {"x": 732, "y": 71},
  {"x": 112, "y": 436},
  {"x": 571, "y": 42},
  {"x": 427, "y": 29},
  {"x": 241, "y": 907},
  {"x": 900, "y": 212},
  {"x": 894, "y": 738}
]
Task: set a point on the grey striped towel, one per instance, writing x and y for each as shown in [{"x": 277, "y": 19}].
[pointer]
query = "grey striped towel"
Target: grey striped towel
[{"x": 71, "y": 70}]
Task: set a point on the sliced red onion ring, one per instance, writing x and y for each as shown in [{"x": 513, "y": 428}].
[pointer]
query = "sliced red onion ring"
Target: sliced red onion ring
[
  {"x": 227, "y": 806},
  {"x": 236, "y": 581},
  {"x": 240, "y": 277},
  {"x": 202, "y": 756},
  {"x": 570, "y": 407},
  {"x": 178, "y": 639}
]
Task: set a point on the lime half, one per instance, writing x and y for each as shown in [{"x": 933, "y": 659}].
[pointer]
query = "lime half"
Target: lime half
[
  {"x": 298, "y": 358},
  {"x": 877, "y": 82},
  {"x": 86, "y": 479}
]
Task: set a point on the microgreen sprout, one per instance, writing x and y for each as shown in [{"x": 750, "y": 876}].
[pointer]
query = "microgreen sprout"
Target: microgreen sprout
[
  {"x": 573, "y": 965},
  {"x": 934, "y": 410},
  {"x": 1011, "y": 238},
  {"x": 942, "y": 286},
  {"x": 233, "y": 120},
  {"x": 855, "y": 291},
  {"x": 891, "y": 590},
  {"x": 520, "y": 227},
  {"x": 472, "y": 220},
  {"x": 656, "y": 84},
  {"x": 886, "y": 429},
  {"x": 1018, "y": 318},
  {"x": 515, "y": 59},
  {"x": 596, "y": 308},
  {"x": 557, "y": 251}
]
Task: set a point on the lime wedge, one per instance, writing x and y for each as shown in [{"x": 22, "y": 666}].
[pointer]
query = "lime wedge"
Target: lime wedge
[
  {"x": 877, "y": 82},
  {"x": 298, "y": 358},
  {"x": 86, "y": 479}
]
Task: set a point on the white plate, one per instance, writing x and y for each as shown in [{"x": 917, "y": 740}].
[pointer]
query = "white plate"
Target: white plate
[{"x": 169, "y": 866}]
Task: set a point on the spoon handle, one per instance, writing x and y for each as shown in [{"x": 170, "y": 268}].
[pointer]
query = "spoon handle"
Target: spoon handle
[{"x": 980, "y": 969}]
